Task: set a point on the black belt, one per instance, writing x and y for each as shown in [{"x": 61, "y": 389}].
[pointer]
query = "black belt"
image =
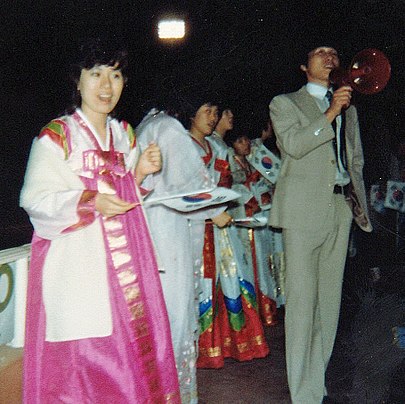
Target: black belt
[{"x": 341, "y": 189}]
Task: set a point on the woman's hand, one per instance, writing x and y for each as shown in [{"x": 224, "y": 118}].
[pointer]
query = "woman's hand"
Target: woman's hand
[
  {"x": 110, "y": 205},
  {"x": 149, "y": 162},
  {"x": 222, "y": 220}
]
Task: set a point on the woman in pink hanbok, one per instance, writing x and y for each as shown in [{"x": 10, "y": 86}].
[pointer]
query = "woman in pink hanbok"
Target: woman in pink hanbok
[{"x": 97, "y": 328}]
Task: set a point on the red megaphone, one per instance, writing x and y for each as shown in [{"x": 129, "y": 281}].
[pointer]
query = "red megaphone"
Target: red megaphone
[{"x": 369, "y": 72}]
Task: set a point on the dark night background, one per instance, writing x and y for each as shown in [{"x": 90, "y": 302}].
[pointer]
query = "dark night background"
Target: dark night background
[{"x": 247, "y": 51}]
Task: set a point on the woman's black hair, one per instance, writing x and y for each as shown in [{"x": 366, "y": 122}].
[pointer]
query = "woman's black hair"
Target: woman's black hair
[
  {"x": 233, "y": 135},
  {"x": 189, "y": 102},
  {"x": 93, "y": 52}
]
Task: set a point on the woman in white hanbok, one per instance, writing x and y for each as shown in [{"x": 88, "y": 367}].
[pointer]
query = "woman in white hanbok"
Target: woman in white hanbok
[
  {"x": 229, "y": 322},
  {"x": 183, "y": 173},
  {"x": 255, "y": 202}
]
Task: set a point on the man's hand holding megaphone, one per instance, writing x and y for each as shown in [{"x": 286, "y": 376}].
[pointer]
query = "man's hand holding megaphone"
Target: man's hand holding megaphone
[
  {"x": 340, "y": 100},
  {"x": 368, "y": 73}
]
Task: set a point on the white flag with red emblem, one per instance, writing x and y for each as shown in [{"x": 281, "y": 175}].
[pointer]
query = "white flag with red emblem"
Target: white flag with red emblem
[
  {"x": 377, "y": 197},
  {"x": 266, "y": 162},
  {"x": 395, "y": 196},
  {"x": 190, "y": 202}
]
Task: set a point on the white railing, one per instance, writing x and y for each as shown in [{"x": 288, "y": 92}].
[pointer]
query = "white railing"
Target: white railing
[{"x": 13, "y": 293}]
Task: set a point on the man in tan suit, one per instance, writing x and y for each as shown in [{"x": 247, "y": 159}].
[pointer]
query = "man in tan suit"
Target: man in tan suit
[{"x": 320, "y": 181}]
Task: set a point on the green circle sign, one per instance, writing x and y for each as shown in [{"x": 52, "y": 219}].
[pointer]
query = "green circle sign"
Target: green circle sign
[{"x": 6, "y": 271}]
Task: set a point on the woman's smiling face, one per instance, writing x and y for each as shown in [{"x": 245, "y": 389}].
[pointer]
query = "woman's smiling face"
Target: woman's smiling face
[{"x": 100, "y": 89}]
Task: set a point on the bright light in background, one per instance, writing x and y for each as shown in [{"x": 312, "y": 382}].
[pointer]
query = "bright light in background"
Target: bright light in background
[{"x": 171, "y": 29}]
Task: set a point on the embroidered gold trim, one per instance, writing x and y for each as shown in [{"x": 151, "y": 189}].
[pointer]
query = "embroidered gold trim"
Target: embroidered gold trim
[
  {"x": 141, "y": 329},
  {"x": 211, "y": 352},
  {"x": 126, "y": 277},
  {"x": 112, "y": 225},
  {"x": 118, "y": 242},
  {"x": 171, "y": 397},
  {"x": 146, "y": 348},
  {"x": 137, "y": 311},
  {"x": 132, "y": 293},
  {"x": 120, "y": 258}
]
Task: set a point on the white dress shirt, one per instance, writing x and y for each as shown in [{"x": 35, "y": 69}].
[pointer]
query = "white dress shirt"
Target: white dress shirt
[{"x": 319, "y": 93}]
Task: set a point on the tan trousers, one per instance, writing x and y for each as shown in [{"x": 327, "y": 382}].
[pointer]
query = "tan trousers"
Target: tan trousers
[{"x": 315, "y": 263}]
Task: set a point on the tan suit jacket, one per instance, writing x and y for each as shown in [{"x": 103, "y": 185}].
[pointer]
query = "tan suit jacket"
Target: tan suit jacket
[{"x": 305, "y": 185}]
